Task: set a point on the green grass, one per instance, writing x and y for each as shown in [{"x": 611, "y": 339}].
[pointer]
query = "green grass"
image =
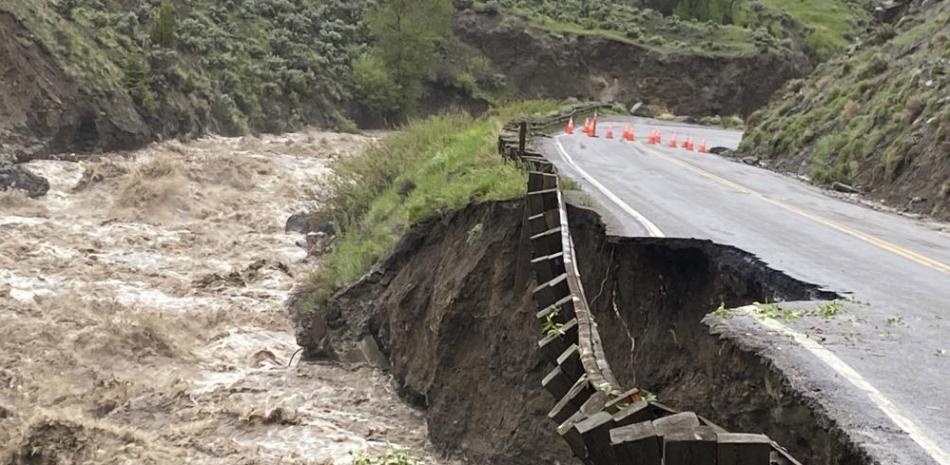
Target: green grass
[
  {"x": 831, "y": 23},
  {"x": 659, "y": 34},
  {"x": 822, "y": 27},
  {"x": 429, "y": 167},
  {"x": 776, "y": 312},
  {"x": 867, "y": 120},
  {"x": 390, "y": 456}
]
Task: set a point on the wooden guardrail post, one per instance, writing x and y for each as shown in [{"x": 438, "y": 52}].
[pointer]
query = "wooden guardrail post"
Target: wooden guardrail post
[{"x": 522, "y": 137}]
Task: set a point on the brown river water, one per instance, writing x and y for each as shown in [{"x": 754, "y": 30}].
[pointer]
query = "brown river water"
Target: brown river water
[{"x": 142, "y": 319}]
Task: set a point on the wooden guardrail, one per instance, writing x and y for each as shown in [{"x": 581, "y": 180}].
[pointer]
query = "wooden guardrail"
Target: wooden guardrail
[{"x": 603, "y": 423}]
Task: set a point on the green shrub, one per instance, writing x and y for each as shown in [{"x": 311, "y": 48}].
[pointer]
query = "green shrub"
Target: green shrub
[
  {"x": 375, "y": 85},
  {"x": 406, "y": 35},
  {"x": 136, "y": 81}
]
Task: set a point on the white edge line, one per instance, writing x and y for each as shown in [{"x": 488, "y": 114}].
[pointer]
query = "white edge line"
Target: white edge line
[
  {"x": 651, "y": 229},
  {"x": 916, "y": 433}
]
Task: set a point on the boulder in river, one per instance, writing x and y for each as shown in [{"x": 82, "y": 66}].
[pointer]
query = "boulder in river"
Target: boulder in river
[{"x": 14, "y": 176}]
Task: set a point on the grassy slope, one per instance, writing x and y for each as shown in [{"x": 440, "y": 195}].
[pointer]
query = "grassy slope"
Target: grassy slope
[
  {"x": 879, "y": 119},
  {"x": 821, "y": 27},
  {"x": 431, "y": 166},
  {"x": 635, "y": 26},
  {"x": 261, "y": 64},
  {"x": 825, "y": 27}
]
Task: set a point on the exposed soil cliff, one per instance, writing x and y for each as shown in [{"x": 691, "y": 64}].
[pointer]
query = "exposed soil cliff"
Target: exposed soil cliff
[
  {"x": 454, "y": 315},
  {"x": 540, "y": 64},
  {"x": 43, "y": 110},
  {"x": 451, "y": 312}
]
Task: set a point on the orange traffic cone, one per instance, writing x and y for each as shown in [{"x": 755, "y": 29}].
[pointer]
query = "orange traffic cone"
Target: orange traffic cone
[
  {"x": 569, "y": 129},
  {"x": 702, "y": 146},
  {"x": 628, "y": 134},
  {"x": 689, "y": 144},
  {"x": 610, "y": 133},
  {"x": 593, "y": 126},
  {"x": 673, "y": 143}
]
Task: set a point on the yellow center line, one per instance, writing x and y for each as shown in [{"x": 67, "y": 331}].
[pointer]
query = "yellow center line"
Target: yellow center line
[{"x": 878, "y": 242}]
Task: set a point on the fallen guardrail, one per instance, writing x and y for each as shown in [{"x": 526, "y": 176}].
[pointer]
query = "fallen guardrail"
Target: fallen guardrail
[{"x": 603, "y": 423}]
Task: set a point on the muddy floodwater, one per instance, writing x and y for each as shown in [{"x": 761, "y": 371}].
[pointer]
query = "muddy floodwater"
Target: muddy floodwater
[{"x": 142, "y": 320}]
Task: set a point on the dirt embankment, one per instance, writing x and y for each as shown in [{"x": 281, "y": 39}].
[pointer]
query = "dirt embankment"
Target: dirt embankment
[
  {"x": 451, "y": 310},
  {"x": 541, "y": 65},
  {"x": 142, "y": 318},
  {"x": 44, "y": 111}
]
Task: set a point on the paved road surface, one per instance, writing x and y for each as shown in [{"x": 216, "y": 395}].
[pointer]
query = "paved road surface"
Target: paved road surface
[{"x": 886, "y": 357}]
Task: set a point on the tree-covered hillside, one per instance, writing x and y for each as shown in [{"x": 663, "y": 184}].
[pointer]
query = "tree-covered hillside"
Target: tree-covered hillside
[
  {"x": 116, "y": 73},
  {"x": 94, "y": 74}
]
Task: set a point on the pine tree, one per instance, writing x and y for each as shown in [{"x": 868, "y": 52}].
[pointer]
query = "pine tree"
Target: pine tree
[
  {"x": 136, "y": 80},
  {"x": 164, "y": 29}
]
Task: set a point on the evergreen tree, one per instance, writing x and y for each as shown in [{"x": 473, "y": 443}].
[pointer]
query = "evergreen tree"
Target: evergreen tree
[
  {"x": 164, "y": 29},
  {"x": 136, "y": 80}
]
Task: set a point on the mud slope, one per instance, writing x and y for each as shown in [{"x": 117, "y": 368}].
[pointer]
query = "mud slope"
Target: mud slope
[
  {"x": 539, "y": 64},
  {"x": 451, "y": 310},
  {"x": 142, "y": 319},
  {"x": 455, "y": 318}
]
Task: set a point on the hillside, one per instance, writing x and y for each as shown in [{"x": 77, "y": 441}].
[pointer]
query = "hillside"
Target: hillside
[
  {"x": 877, "y": 119},
  {"x": 816, "y": 28},
  {"x": 86, "y": 75},
  {"x": 675, "y": 57},
  {"x": 90, "y": 74}
]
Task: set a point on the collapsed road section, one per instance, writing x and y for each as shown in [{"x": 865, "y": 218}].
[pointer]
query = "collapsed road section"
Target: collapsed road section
[
  {"x": 451, "y": 313},
  {"x": 603, "y": 423}
]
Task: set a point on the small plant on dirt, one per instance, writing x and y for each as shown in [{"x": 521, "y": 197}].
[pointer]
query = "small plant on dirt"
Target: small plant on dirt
[
  {"x": 649, "y": 396},
  {"x": 775, "y": 312},
  {"x": 723, "y": 312},
  {"x": 586, "y": 201},
  {"x": 896, "y": 320},
  {"x": 940, "y": 352},
  {"x": 830, "y": 309},
  {"x": 552, "y": 327},
  {"x": 568, "y": 184},
  {"x": 390, "y": 456},
  {"x": 474, "y": 233},
  {"x": 606, "y": 388}
]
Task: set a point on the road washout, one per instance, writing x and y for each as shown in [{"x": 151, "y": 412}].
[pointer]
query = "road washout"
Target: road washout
[
  {"x": 451, "y": 308},
  {"x": 142, "y": 318}
]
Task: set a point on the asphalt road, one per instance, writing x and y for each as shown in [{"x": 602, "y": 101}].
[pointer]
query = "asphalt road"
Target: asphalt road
[{"x": 888, "y": 357}]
